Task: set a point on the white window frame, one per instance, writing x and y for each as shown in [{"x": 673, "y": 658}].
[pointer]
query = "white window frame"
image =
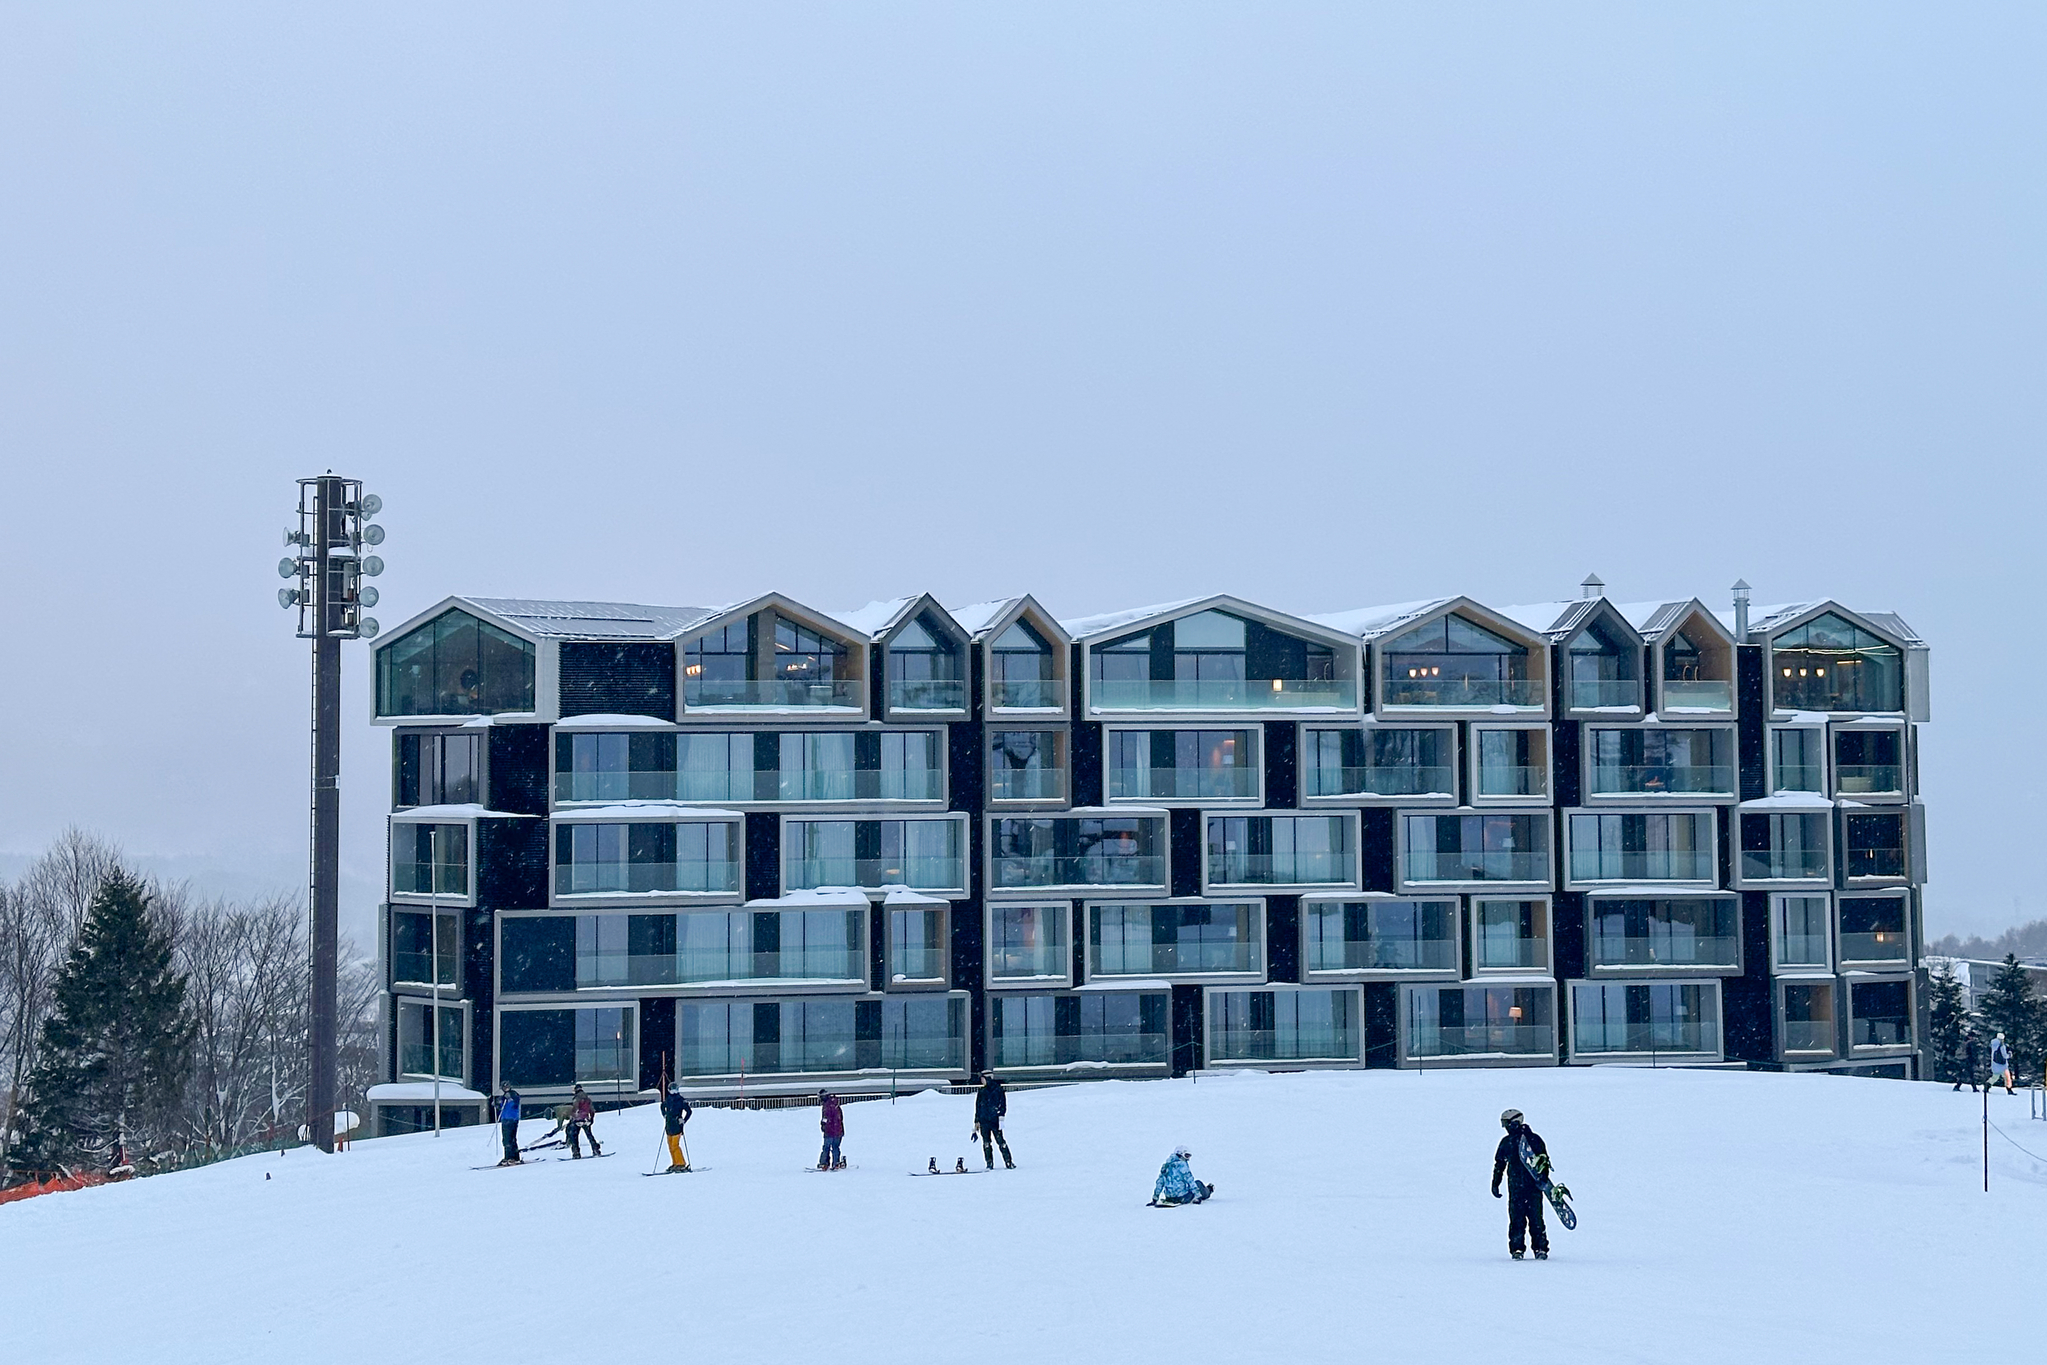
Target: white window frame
[
  {"x": 1779, "y": 1022},
  {"x": 596, "y": 1089},
  {"x": 1720, "y": 798},
  {"x": 1369, "y": 725},
  {"x": 1476, "y": 747},
  {"x": 411, "y": 816},
  {"x": 1064, "y": 744},
  {"x": 1883, "y": 966},
  {"x": 1849, "y": 981},
  {"x": 410, "y": 999},
  {"x": 1075, "y": 890},
  {"x": 1501, "y": 890}
]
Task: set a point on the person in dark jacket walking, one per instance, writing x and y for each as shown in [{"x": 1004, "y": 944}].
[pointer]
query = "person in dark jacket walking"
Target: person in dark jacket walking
[
  {"x": 1972, "y": 1059},
  {"x": 832, "y": 1123},
  {"x": 675, "y": 1112},
  {"x": 1524, "y": 1195},
  {"x": 508, "y": 1125},
  {"x": 989, "y": 1107},
  {"x": 582, "y": 1114}
]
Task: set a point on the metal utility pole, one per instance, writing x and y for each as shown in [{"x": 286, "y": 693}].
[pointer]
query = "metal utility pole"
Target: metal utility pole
[{"x": 329, "y": 567}]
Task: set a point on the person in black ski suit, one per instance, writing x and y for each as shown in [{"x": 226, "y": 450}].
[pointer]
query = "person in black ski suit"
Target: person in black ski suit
[
  {"x": 1972, "y": 1060},
  {"x": 989, "y": 1107},
  {"x": 1524, "y": 1195},
  {"x": 675, "y": 1112}
]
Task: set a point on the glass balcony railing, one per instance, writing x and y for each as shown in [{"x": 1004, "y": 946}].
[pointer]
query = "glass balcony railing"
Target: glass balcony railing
[
  {"x": 1881, "y": 1032},
  {"x": 1026, "y": 784},
  {"x": 1189, "y": 784},
  {"x": 1509, "y": 952},
  {"x": 1809, "y": 1035},
  {"x": 1381, "y": 781},
  {"x": 1855, "y": 779},
  {"x": 1135, "y": 869},
  {"x": 1889, "y": 946},
  {"x": 1802, "y": 950},
  {"x": 917, "y": 964},
  {"x": 1698, "y": 694},
  {"x": 1477, "y": 1040},
  {"x": 1641, "y": 865},
  {"x": 1387, "y": 954},
  {"x": 774, "y": 694},
  {"x": 1664, "y": 950},
  {"x": 416, "y": 1059},
  {"x": 1435, "y": 866},
  {"x": 615, "y": 786},
  {"x": 1499, "y": 779},
  {"x": 1590, "y": 693},
  {"x": 430, "y": 879},
  {"x": 1221, "y": 694},
  {"x": 412, "y": 967},
  {"x": 1173, "y": 959},
  {"x": 587, "y": 879},
  {"x": 1463, "y": 692},
  {"x": 1097, "y": 1049},
  {"x": 1689, "y": 1035},
  {"x": 931, "y": 874},
  {"x": 1653, "y": 779},
  {"x": 1324, "y": 1042},
  {"x": 1280, "y": 869},
  {"x": 808, "y": 784},
  {"x": 1797, "y": 864},
  {"x": 1801, "y": 777},
  {"x": 927, "y": 694},
  {"x": 1027, "y": 694},
  {"x": 1015, "y": 964}
]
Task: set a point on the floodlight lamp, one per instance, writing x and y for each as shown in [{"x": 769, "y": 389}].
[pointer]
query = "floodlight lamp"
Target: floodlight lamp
[
  {"x": 287, "y": 597},
  {"x": 373, "y": 534},
  {"x": 287, "y": 568},
  {"x": 372, "y": 566},
  {"x": 367, "y": 596},
  {"x": 371, "y": 504},
  {"x": 368, "y": 628}
]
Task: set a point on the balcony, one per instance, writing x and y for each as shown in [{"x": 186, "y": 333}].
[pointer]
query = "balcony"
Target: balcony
[
  {"x": 1427, "y": 865},
  {"x": 1808, "y": 1035},
  {"x": 1792, "y": 864},
  {"x": 1383, "y": 954},
  {"x": 1187, "y": 784},
  {"x": 1588, "y": 694},
  {"x": 614, "y": 878},
  {"x": 1321, "y": 866},
  {"x": 1662, "y": 779},
  {"x": 940, "y": 873},
  {"x": 1221, "y": 694},
  {"x": 420, "y": 878},
  {"x": 1496, "y": 779},
  {"x": 1087, "y": 869},
  {"x": 1482, "y": 1040},
  {"x": 1463, "y": 693},
  {"x": 1027, "y": 694},
  {"x": 1663, "y": 1035},
  {"x": 806, "y": 784},
  {"x": 1858, "y": 779},
  {"x": 927, "y": 694},
  {"x": 1381, "y": 781},
  {"x": 1642, "y": 865},
  {"x": 647, "y": 785},
  {"x": 1026, "y": 784},
  {"x": 1885, "y": 946},
  {"x": 1873, "y": 862},
  {"x": 1697, "y": 694},
  {"x": 1664, "y": 949},
  {"x": 775, "y": 694}
]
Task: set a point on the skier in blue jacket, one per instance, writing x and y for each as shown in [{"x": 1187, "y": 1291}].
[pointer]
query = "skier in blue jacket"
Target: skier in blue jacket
[
  {"x": 508, "y": 1125},
  {"x": 1177, "y": 1184}
]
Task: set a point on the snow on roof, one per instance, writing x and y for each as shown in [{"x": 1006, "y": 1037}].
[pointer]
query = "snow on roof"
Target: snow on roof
[
  {"x": 569, "y": 620},
  {"x": 468, "y": 810},
  {"x": 641, "y": 810},
  {"x": 611, "y": 722},
  {"x": 1654, "y": 891},
  {"x": 875, "y": 617},
  {"x": 1763, "y": 620},
  {"x": 1081, "y": 627},
  {"x": 977, "y": 617},
  {"x": 1789, "y": 801},
  {"x": 811, "y": 899},
  {"x": 419, "y": 1092},
  {"x": 898, "y": 894},
  {"x": 1368, "y": 622},
  {"x": 1545, "y": 618}
]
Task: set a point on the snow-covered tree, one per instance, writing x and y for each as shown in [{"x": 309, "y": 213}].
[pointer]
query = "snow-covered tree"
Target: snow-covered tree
[
  {"x": 2011, "y": 1008},
  {"x": 1947, "y": 1024}
]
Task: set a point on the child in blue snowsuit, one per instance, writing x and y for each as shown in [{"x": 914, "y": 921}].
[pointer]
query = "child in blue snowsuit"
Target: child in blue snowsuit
[{"x": 1177, "y": 1184}]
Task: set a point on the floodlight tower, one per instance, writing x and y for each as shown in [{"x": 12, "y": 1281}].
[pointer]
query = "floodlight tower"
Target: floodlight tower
[{"x": 330, "y": 566}]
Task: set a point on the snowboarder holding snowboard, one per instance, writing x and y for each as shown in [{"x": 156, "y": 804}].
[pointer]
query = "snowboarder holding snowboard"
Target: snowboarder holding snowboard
[
  {"x": 2000, "y": 1065},
  {"x": 1177, "y": 1184},
  {"x": 508, "y": 1125},
  {"x": 1524, "y": 1192},
  {"x": 582, "y": 1114},
  {"x": 675, "y": 1112},
  {"x": 989, "y": 1107},
  {"x": 832, "y": 1122}
]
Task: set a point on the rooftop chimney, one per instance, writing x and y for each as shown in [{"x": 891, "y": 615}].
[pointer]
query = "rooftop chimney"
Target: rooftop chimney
[
  {"x": 1592, "y": 586},
  {"x": 1741, "y": 611}
]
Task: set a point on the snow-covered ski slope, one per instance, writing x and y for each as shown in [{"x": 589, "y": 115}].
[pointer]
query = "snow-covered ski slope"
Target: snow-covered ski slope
[{"x": 1723, "y": 1216}]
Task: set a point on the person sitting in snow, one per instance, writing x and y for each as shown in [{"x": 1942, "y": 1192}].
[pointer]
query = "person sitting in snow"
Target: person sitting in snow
[{"x": 1177, "y": 1184}]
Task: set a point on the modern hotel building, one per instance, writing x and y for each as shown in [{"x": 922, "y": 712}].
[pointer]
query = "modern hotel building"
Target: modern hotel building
[{"x": 765, "y": 847}]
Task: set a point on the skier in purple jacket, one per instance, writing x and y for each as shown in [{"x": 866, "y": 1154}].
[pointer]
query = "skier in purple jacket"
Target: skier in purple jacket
[{"x": 832, "y": 1120}]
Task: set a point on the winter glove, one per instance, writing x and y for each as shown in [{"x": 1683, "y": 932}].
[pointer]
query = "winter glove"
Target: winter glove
[{"x": 1496, "y": 1191}]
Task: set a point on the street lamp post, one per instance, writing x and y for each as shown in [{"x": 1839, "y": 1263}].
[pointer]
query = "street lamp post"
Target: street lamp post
[{"x": 330, "y": 566}]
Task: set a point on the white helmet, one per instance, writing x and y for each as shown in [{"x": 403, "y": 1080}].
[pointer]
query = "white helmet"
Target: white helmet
[
  {"x": 1510, "y": 1118},
  {"x": 1182, "y": 1152}
]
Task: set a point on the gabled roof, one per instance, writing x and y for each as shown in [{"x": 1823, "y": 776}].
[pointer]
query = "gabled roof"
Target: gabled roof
[
  {"x": 1654, "y": 620},
  {"x": 571, "y": 620},
  {"x": 879, "y": 620},
  {"x": 1561, "y": 621},
  {"x": 1374, "y": 623},
  {"x": 1771, "y": 621},
  {"x": 810, "y": 616},
  {"x": 985, "y": 620},
  {"x": 1121, "y": 622}
]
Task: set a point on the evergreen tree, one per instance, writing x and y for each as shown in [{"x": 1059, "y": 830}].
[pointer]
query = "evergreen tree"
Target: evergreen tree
[
  {"x": 116, "y": 1047},
  {"x": 2010, "y": 1008},
  {"x": 1947, "y": 1024}
]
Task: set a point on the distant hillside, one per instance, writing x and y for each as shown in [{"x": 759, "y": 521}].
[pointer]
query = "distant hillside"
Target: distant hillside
[{"x": 2028, "y": 940}]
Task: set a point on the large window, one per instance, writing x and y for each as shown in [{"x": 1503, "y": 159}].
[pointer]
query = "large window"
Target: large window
[
  {"x": 413, "y": 947},
  {"x": 1215, "y": 661},
  {"x": 767, "y": 661},
  {"x": 439, "y": 770},
  {"x": 1476, "y": 848},
  {"x": 454, "y": 665},
  {"x": 924, "y": 672},
  {"x": 748, "y": 1037},
  {"x": 1605, "y": 669},
  {"x": 812, "y": 765},
  {"x": 614, "y": 767},
  {"x": 1697, "y": 678},
  {"x": 1020, "y": 672},
  {"x": 1873, "y": 844},
  {"x": 1381, "y": 935},
  {"x": 1510, "y": 936},
  {"x": 1798, "y": 759},
  {"x": 1703, "y": 931},
  {"x": 1512, "y": 762},
  {"x": 1784, "y": 847},
  {"x": 1799, "y": 926},
  {"x": 1808, "y": 1025},
  {"x": 1026, "y": 765},
  {"x": 416, "y": 1041},
  {"x": 925, "y": 854},
  {"x": 636, "y": 859},
  {"x": 1285, "y": 1025},
  {"x": 1875, "y": 931},
  {"x": 1638, "y": 846},
  {"x": 429, "y": 860},
  {"x": 540, "y": 953},
  {"x": 1280, "y": 850},
  {"x": 1381, "y": 761},
  {"x": 1480, "y": 1021},
  {"x": 1101, "y": 1028},
  {"x": 1879, "y": 1014},
  {"x": 1175, "y": 940},
  {"x": 917, "y": 943},
  {"x": 1183, "y": 764},
  {"x": 1869, "y": 762},
  {"x": 559, "y": 1048},
  {"x": 1664, "y": 1016},
  {"x": 1830, "y": 665},
  {"x": 1029, "y": 942},
  {"x": 1662, "y": 762},
  {"x": 1455, "y": 662},
  {"x": 1080, "y": 851}
]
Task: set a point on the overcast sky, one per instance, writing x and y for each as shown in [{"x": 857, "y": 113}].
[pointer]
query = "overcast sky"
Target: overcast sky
[{"x": 1324, "y": 306}]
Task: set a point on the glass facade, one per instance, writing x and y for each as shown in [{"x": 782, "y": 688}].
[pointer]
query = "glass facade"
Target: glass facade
[
  {"x": 1873, "y": 844},
  {"x": 413, "y": 945},
  {"x": 1663, "y": 762},
  {"x": 917, "y": 944},
  {"x": 821, "y": 1034},
  {"x": 1511, "y": 935},
  {"x": 595, "y": 1046},
  {"x": 429, "y": 860},
  {"x": 1175, "y": 940},
  {"x": 642, "y": 859},
  {"x": 1213, "y": 661},
  {"x": 1879, "y": 1013},
  {"x": 925, "y": 854},
  {"x": 1605, "y": 668},
  {"x": 1184, "y": 764},
  {"x": 1376, "y": 935},
  {"x": 1800, "y": 926},
  {"x": 1476, "y": 848},
  {"x": 1807, "y": 1025},
  {"x": 1702, "y": 931},
  {"x": 1480, "y": 1021},
  {"x": 1869, "y": 762},
  {"x": 807, "y": 765},
  {"x": 768, "y": 662},
  {"x": 438, "y": 770},
  {"x": 1296, "y": 1025},
  {"x": 1512, "y": 762},
  {"x": 1791, "y": 847},
  {"x": 1831, "y": 665},
  {"x": 454, "y": 665},
  {"x": 1381, "y": 761},
  {"x": 1458, "y": 663},
  {"x": 1696, "y": 679},
  {"x": 1643, "y": 847},
  {"x": 614, "y": 767},
  {"x": 1020, "y": 670},
  {"x": 416, "y": 1041},
  {"x": 925, "y": 669},
  {"x": 1798, "y": 760},
  {"x": 1029, "y": 941},
  {"x": 1875, "y": 930},
  {"x": 583, "y": 952},
  {"x": 1080, "y": 1030},
  {"x": 1280, "y": 850},
  {"x": 1026, "y": 765},
  {"x": 1663, "y": 1016},
  {"x": 1080, "y": 851}
]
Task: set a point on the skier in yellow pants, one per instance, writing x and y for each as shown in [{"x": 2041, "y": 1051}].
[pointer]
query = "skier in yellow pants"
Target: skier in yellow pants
[{"x": 675, "y": 1112}]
